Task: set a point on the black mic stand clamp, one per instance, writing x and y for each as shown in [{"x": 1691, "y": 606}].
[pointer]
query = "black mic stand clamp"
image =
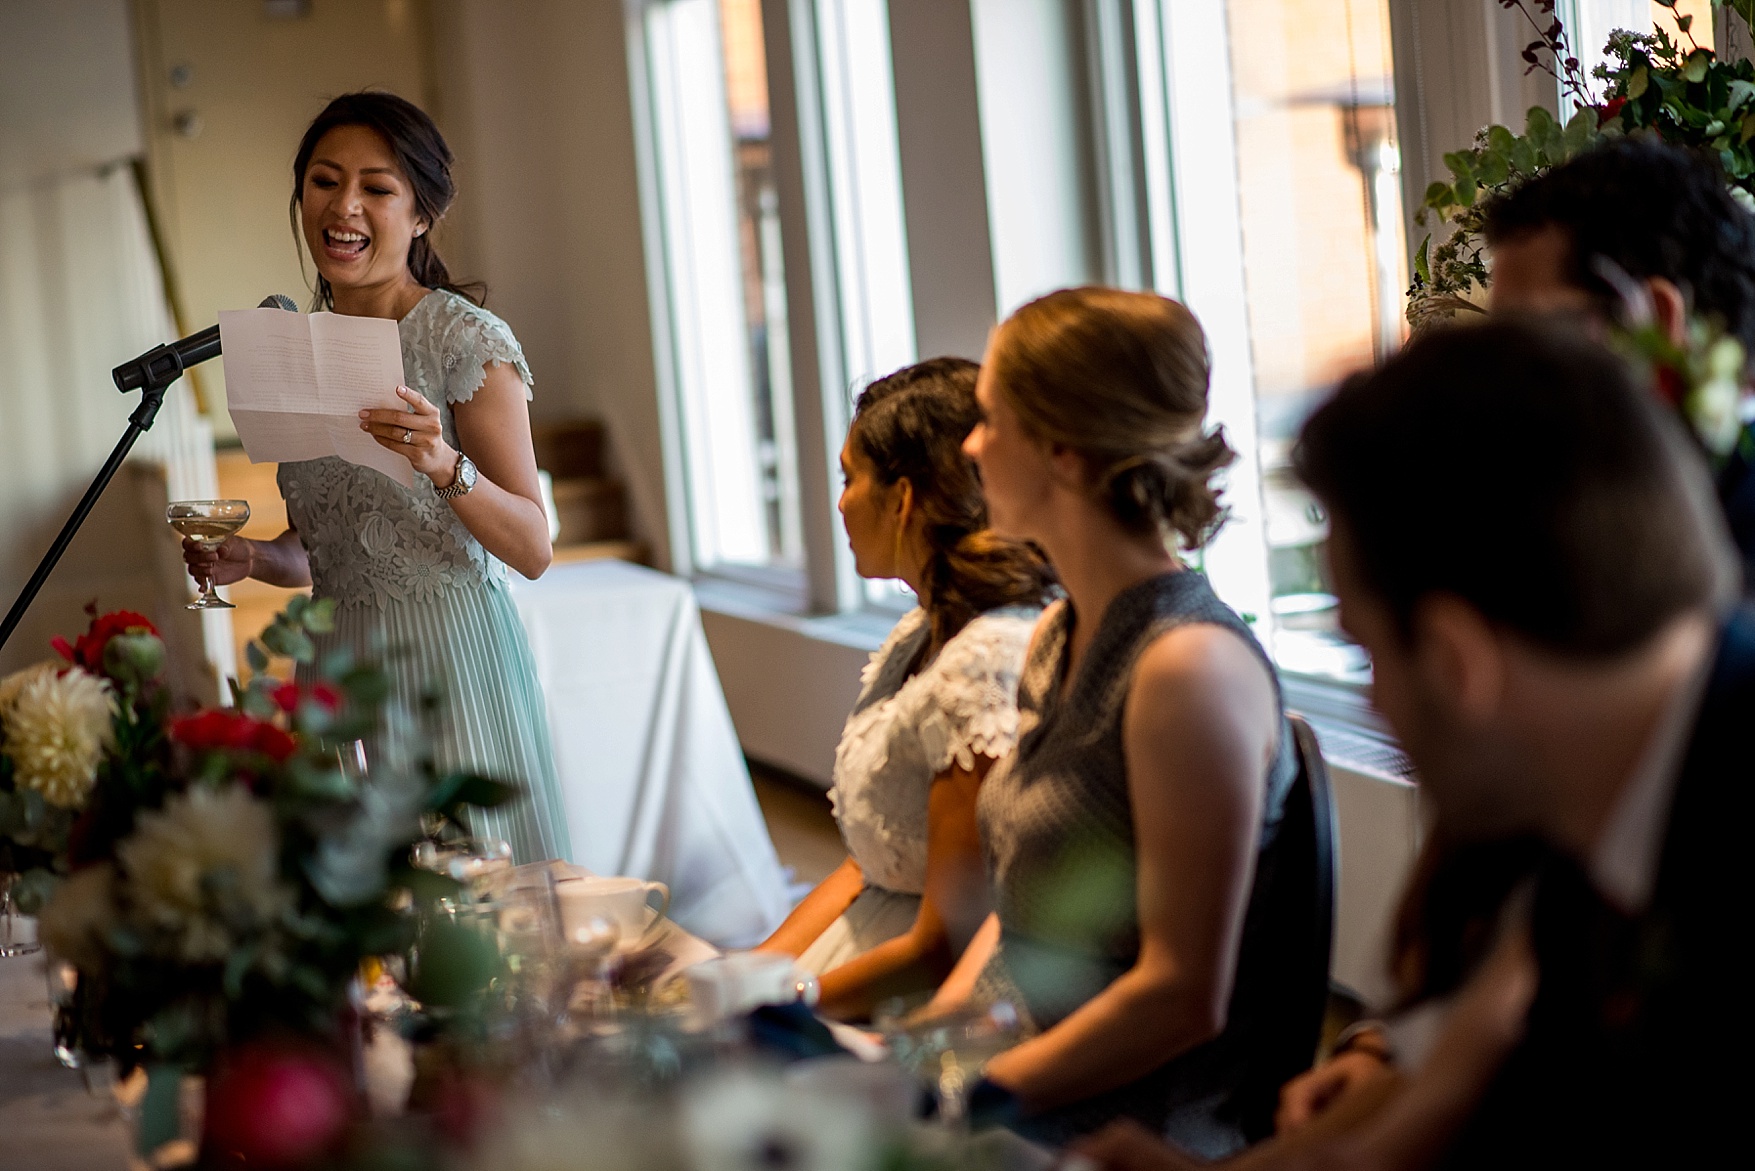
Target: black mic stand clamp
[{"x": 153, "y": 372}]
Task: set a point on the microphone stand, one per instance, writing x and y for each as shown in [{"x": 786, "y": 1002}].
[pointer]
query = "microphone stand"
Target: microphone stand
[{"x": 153, "y": 372}]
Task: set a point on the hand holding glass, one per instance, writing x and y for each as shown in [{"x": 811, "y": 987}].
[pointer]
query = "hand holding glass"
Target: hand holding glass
[
  {"x": 949, "y": 1050},
  {"x": 209, "y": 523}
]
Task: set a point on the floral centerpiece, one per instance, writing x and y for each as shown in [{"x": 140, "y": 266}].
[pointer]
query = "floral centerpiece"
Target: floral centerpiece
[
  {"x": 71, "y": 731},
  {"x": 219, "y": 877}
]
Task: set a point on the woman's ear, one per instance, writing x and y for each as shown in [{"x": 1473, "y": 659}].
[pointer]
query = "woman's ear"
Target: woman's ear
[{"x": 904, "y": 490}]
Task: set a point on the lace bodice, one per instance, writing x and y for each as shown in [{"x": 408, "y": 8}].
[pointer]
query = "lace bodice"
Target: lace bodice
[
  {"x": 371, "y": 540},
  {"x": 907, "y": 728}
]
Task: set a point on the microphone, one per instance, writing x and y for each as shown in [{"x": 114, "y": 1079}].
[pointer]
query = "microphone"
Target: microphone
[{"x": 163, "y": 365}]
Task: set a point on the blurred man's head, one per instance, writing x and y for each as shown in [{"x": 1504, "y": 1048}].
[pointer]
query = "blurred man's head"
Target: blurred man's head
[
  {"x": 1508, "y": 505},
  {"x": 1662, "y": 214}
]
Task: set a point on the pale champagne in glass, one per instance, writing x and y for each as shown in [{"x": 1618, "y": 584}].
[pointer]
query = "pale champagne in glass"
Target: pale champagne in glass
[{"x": 209, "y": 523}]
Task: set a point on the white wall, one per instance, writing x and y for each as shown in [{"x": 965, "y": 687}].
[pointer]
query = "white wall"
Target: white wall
[
  {"x": 80, "y": 292},
  {"x": 1029, "y": 67},
  {"x": 938, "y": 124},
  {"x": 66, "y": 88},
  {"x": 534, "y": 97},
  {"x": 1378, "y": 823},
  {"x": 789, "y": 686}
]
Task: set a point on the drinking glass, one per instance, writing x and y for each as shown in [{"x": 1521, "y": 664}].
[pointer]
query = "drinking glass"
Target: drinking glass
[
  {"x": 350, "y": 755},
  {"x": 18, "y": 933},
  {"x": 63, "y": 988},
  {"x": 209, "y": 523},
  {"x": 949, "y": 1050}
]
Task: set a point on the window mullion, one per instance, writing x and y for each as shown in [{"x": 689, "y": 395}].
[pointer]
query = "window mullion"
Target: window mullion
[
  {"x": 812, "y": 291},
  {"x": 1204, "y": 178},
  {"x": 1117, "y": 97}
]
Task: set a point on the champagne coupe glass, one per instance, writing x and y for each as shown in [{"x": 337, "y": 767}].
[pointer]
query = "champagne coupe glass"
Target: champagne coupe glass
[{"x": 209, "y": 523}]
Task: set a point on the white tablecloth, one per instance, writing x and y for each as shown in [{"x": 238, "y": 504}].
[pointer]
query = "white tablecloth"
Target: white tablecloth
[{"x": 651, "y": 774}]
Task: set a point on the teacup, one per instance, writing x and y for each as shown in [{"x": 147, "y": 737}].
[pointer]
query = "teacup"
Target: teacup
[{"x": 623, "y": 902}]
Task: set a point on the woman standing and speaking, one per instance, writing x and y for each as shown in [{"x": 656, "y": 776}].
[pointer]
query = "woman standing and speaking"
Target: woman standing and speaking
[{"x": 420, "y": 570}]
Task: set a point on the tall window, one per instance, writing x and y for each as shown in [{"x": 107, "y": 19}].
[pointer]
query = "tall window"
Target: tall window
[
  {"x": 1589, "y": 23},
  {"x": 865, "y": 184},
  {"x": 863, "y": 172},
  {"x": 1283, "y": 170},
  {"x": 725, "y": 281}
]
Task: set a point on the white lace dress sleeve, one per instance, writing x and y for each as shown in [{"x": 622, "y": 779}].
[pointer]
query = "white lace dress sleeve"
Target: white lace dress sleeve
[
  {"x": 471, "y": 339},
  {"x": 909, "y": 729},
  {"x": 904, "y": 731},
  {"x": 972, "y": 707}
]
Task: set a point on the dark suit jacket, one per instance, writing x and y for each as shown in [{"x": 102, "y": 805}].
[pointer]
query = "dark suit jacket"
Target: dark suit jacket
[{"x": 1640, "y": 1050}]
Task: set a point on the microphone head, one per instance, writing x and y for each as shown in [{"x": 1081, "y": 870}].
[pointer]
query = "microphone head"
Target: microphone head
[{"x": 279, "y": 301}]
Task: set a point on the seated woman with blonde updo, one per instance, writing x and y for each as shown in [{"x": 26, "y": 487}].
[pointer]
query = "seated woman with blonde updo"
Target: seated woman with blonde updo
[
  {"x": 938, "y": 705},
  {"x": 1153, "y": 758}
]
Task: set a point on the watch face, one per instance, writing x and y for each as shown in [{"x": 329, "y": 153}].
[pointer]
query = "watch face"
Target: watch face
[{"x": 466, "y": 473}]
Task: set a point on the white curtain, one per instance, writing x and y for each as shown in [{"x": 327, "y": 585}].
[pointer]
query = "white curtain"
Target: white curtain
[{"x": 80, "y": 292}]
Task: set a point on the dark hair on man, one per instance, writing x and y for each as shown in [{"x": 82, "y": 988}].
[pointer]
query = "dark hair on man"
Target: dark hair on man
[
  {"x": 1526, "y": 471},
  {"x": 1655, "y": 210},
  {"x": 911, "y": 424},
  {"x": 425, "y": 158}
]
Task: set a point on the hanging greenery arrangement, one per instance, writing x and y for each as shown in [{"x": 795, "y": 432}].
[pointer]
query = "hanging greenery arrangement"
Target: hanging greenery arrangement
[{"x": 1652, "y": 84}]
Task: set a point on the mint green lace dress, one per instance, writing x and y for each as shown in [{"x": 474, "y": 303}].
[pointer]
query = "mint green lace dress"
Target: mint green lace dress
[{"x": 408, "y": 577}]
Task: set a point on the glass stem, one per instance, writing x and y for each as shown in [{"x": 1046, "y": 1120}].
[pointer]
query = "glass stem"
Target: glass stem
[{"x": 953, "y": 1106}]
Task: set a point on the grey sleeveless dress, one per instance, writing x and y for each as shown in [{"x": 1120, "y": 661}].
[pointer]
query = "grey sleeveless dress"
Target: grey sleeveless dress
[
  {"x": 409, "y": 578},
  {"x": 1057, "y": 830}
]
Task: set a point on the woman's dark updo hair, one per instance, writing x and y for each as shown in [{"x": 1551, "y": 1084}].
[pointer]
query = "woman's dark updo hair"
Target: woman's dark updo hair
[
  {"x": 1121, "y": 378},
  {"x": 912, "y": 425},
  {"x": 420, "y": 151}
]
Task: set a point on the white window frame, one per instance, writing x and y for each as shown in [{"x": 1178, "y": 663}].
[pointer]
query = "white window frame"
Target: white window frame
[{"x": 696, "y": 233}]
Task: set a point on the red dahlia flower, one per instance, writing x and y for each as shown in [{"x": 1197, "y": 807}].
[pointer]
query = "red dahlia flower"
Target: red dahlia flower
[
  {"x": 219, "y": 730},
  {"x": 88, "y": 651},
  {"x": 325, "y": 695}
]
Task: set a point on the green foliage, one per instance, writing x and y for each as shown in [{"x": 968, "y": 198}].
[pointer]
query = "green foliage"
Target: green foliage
[
  {"x": 1651, "y": 84},
  {"x": 1445, "y": 276}
]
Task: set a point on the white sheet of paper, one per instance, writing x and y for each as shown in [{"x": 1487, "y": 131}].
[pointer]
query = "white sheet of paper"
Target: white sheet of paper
[{"x": 295, "y": 385}]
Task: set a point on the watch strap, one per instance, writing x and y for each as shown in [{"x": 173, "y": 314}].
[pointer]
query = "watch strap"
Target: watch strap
[{"x": 462, "y": 482}]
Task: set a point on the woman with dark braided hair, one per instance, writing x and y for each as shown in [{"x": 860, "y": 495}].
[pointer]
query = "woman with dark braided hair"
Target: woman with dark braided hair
[
  {"x": 938, "y": 706},
  {"x": 421, "y": 570}
]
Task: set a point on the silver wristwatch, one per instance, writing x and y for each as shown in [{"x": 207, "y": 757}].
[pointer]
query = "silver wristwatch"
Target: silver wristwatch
[{"x": 461, "y": 483}]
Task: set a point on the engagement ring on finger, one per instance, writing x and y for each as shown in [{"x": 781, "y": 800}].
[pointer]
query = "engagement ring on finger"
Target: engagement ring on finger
[{"x": 407, "y": 435}]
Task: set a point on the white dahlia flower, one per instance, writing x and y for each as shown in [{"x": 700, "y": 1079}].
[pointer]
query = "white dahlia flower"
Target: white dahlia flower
[
  {"x": 57, "y": 725},
  {"x": 204, "y": 870}
]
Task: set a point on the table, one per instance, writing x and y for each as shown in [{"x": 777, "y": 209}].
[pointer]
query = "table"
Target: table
[
  {"x": 652, "y": 778},
  {"x": 48, "y": 1122}
]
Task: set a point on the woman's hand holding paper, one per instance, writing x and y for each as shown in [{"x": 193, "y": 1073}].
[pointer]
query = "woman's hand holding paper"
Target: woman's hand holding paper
[{"x": 416, "y": 434}]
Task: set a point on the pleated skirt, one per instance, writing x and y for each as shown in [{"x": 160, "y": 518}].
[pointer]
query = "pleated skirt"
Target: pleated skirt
[{"x": 467, "y": 649}]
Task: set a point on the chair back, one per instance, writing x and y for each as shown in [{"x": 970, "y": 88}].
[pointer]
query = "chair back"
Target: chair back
[{"x": 1289, "y": 958}]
